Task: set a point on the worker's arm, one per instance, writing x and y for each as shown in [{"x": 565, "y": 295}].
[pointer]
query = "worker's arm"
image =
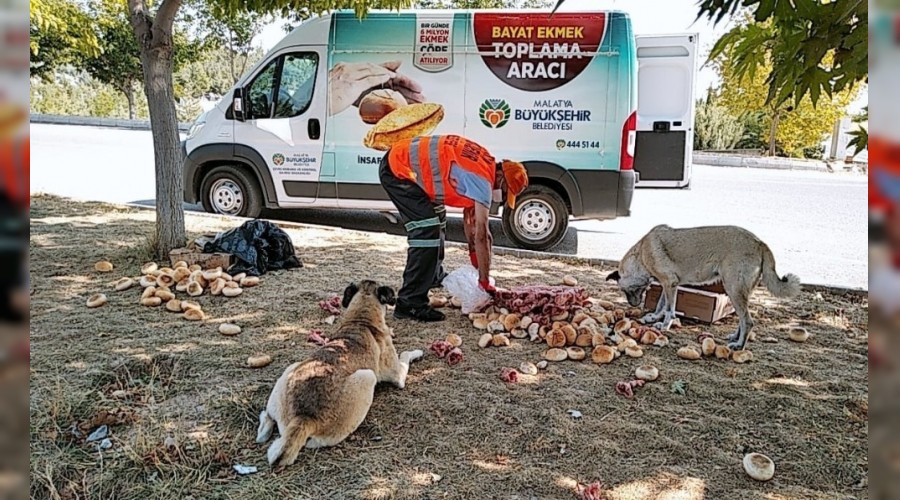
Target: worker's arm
[
  {"x": 469, "y": 230},
  {"x": 483, "y": 243}
]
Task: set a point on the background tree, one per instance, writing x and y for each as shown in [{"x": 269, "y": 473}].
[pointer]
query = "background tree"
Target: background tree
[
  {"x": 60, "y": 31},
  {"x": 153, "y": 28},
  {"x": 811, "y": 47},
  {"x": 715, "y": 128},
  {"x": 63, "y": 21},
  {"x": 792, "y": 126},
  {"x": 233, "y": 31},
  {"x": 118, "y": 64},
  {"x": 294, "y": 18},
  {"x": 815, "y": 46}
]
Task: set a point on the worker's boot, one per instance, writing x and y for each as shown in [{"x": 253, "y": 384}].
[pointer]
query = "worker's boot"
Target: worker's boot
[
  {"x": 439, "y": 281},
  {"x": 425, "y": 313}
]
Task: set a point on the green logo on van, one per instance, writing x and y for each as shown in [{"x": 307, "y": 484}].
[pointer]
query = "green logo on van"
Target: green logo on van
[
  {"x": 494, "y": 113},
  {"x": 278, "y": 159}
]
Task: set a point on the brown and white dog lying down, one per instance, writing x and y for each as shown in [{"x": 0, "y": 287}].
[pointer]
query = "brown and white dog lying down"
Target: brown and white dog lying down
[{"x": 320, "y": 401}]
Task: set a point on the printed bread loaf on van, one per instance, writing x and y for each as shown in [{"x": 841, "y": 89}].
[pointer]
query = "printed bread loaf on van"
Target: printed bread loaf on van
[{"x": 404, "y": 123}]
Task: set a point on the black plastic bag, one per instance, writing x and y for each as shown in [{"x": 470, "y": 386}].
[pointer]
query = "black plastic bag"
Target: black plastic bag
[{"x": 258, "y": 246}]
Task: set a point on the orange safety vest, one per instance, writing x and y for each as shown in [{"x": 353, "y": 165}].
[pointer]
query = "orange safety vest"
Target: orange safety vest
[
  {"x": 15, "y": 170},
  {"x": 426, "y": 160}
]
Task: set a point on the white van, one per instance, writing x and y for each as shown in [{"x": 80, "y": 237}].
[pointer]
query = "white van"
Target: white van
[{"x": 559, "y": 93}]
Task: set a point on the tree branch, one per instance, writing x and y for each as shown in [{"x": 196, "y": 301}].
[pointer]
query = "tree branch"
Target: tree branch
[
  {"x": 165, "y": 16},
  {"x": 140, "y": 21}
]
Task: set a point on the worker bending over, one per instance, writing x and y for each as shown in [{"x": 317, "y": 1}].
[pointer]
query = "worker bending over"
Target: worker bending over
[{"x": 424, "y": 175}]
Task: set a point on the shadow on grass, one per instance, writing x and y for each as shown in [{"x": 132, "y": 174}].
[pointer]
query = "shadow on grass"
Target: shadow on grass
[{"x": 482, "y": 437}]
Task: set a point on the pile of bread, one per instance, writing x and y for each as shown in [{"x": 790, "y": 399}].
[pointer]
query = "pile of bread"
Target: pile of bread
[
  {"x": 160, "y": 285},
  {"x": 602, "y": 332}
]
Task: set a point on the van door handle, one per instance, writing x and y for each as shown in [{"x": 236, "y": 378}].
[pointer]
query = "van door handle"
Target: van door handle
[{"x": 314, "y": 129}]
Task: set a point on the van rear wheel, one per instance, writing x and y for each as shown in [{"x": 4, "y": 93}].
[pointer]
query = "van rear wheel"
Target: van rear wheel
[
  {"x": 539, "y": 221},
  {"x": 229, "y": 190}
]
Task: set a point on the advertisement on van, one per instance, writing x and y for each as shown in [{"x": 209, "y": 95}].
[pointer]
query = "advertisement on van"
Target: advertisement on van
[{"x": 526, "y": 86}]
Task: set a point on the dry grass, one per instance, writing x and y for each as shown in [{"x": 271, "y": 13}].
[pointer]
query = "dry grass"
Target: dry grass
[{"x": 798, "y": 403}]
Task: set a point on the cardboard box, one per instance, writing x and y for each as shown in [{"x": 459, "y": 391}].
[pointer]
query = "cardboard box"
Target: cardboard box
[
  {"x": 707, "y": 303},
  {"x": 205, "y": 260}
]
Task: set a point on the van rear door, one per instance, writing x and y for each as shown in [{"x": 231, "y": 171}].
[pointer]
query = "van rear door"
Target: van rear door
[{"x": 667, "y": 69}]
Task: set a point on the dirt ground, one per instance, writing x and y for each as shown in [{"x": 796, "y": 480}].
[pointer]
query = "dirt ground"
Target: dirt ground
[{"x": 454, "y": 432}]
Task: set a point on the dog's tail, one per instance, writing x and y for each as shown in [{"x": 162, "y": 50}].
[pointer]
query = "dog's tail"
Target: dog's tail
[
  {"x": 787, "y": 287},
  {"x": 285, "y": 449}
]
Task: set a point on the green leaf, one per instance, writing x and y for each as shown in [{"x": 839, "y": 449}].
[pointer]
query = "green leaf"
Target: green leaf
[
  {"x": 679, "y": 387},
  {"x": 859, "y": 141}
]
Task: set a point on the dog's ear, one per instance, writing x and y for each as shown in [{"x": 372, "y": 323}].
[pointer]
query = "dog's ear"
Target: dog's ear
[
  {"x": 349, "y": 292},
  {"x": 613, "y": 276},
  {"x": 386, "y": 295}
]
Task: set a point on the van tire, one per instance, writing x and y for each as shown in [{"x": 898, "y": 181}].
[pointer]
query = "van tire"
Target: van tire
[
  {"x": 237, "y": 191},
  {"x": 543, "y": 219}
]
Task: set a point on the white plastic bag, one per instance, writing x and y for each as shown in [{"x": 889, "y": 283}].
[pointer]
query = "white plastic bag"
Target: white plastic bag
[{"x": 463, "y": 284}]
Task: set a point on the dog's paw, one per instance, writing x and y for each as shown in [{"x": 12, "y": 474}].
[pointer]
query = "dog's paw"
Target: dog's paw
[
  {"x": 735, "y": 346},
  {"x": 413, "y": 355},
  {"x": 648, "y": 318}
]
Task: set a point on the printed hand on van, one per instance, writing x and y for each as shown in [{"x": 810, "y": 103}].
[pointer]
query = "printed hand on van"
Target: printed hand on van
[{"x": 348, "y": 81}]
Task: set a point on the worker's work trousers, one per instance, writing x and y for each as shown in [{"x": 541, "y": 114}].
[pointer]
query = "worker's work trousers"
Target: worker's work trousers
[{"x": 425, "y": 224}]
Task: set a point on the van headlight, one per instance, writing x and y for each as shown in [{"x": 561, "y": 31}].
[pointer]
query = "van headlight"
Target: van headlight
[{"x": 196, "y": 126}]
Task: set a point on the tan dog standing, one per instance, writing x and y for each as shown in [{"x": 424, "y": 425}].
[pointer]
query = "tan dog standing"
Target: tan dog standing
[
  {"x": 320, "y": 401},
  {"x": 701, "y": 256}
]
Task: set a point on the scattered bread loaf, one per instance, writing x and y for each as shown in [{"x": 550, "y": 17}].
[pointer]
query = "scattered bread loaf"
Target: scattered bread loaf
[
  {"x": 708, "y": 347},
  {"x": 741, "y": 357},
  {"x": 603, "y": 354},
  {"x": 259, "y": 361},
  {"x": 103, "y": 266},
  {"x": 798, "y": 334},
  {"x": 555, "y": 354},
  {"x": 124, "y": 284},
  {"x": 151, "y": 301},
  {"x": 575, "y": 353},
  {"x": 96, "y": 300},
  {"x": 229, "y": 329},
  {"x": 759, "y": 466},
  {"x": 192, "y": 314},
  {"x": 688, "y": 353},
  {"x": 646, "y": 372}
]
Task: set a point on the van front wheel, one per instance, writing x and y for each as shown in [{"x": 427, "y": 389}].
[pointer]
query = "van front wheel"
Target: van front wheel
[
  {"x": 229, "y": 190},
  {"x": 539, "y": 221}
]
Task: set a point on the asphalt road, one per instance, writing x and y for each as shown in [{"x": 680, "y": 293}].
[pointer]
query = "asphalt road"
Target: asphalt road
[{"x": 816, "y": 223}]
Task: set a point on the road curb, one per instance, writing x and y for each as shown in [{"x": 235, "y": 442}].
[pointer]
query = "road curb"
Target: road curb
[
  {"x": 509, "y": 252},
  {"x": 97, "y": 121},
  {"x": 698, "y": 157}
]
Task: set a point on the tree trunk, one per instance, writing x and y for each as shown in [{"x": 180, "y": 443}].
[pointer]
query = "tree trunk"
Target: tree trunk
[
  {"x": 231, "y": 56},
  {"x": 157, "y": 47},
  {"x": 773, "y": 130},
  {"x": 129, "y": 94}
]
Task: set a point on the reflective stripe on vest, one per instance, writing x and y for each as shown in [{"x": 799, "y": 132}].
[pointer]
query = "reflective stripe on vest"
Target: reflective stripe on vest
[{"x": 434, "y": 161}]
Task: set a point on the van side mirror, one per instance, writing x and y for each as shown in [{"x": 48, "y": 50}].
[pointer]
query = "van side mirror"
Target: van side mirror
[{"x": 237, "y": 105}]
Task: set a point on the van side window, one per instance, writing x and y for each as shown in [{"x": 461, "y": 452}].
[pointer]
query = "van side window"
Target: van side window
[
  {"x": 294, "y": 77},
  {"x": 260, "y": 93},
  {"x": 295, "y": 89}
]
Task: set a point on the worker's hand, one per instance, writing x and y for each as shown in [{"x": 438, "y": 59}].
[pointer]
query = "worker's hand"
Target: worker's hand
[
  {"x": 487, "y": 287},
  {"x": 348, "y": 81},
  {"x": 473, "y": 257}
]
